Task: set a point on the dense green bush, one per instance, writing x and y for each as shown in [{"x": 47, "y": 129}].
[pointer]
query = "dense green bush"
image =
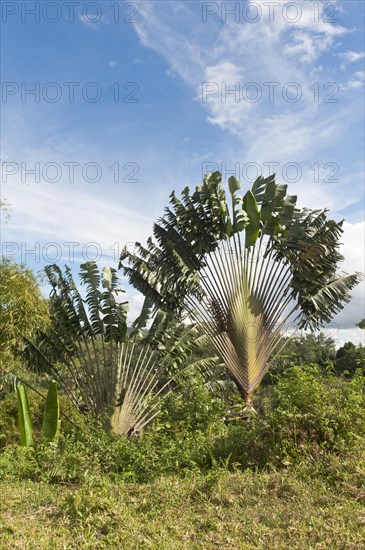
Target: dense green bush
[
  {"x": 308, "y": 415},
  {"x": 305, "y": 417}
]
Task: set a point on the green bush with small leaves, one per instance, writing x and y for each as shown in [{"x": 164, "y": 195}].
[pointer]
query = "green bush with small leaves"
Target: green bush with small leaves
[{"x": 307, "y": 417}]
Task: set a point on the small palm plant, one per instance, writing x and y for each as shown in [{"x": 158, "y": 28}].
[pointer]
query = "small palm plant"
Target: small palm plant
[
  {"x": 106, "y": 368},
  {"x": 243, "y": 271},
  {"x": 80, "y": 347}
]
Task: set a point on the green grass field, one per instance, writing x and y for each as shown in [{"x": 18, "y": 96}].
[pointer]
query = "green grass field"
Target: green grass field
[{"x": 281, "y": 510}]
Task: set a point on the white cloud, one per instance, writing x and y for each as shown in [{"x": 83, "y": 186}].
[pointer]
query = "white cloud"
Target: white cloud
[
  {"x": 356, "y": 81},
  {"x": 341, "y": 336},
  {"x": 112, "y": 63},
  {"x": 351, "y": 56},
  {"x": 307, "y": 47}
]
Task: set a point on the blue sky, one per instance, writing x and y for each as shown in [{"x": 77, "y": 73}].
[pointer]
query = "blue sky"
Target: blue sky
[{"x": 106, "y": 164}]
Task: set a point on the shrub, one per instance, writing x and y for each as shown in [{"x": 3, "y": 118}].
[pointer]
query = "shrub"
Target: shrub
[{"x": 312, "y": 414}]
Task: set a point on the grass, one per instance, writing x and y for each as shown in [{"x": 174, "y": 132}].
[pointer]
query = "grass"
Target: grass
[{"x": 243, "y": 510}]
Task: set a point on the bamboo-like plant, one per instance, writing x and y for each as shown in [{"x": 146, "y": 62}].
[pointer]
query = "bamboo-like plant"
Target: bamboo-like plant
[{"x": 244, "y": 271}]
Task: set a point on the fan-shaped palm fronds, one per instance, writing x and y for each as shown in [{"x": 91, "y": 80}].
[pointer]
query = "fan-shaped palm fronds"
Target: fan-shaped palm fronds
[
  {"x": 136, "y": 394},
  {"x": 106, "y": 368},
  {"x": 80, "y": 349},
  {"x": 243, "y": 272}
]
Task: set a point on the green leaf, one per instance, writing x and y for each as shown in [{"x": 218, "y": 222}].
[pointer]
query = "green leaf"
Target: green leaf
[
  {"x": 107, "y": 278},
  {"x": 252, "y": 229},
  {"x": 24, "y": 417},
  {"x": 213, "y": 177},
  {"x": 259, "y": 187},
  {"x": 51, "y": 415},
  {"x": 286, "y": 214},
  {"x": 268, "y": 203},
  {"x": 233, "y": 184}
]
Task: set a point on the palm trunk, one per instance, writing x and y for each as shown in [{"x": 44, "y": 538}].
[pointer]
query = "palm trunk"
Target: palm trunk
[{"x": 247, "y": 397}]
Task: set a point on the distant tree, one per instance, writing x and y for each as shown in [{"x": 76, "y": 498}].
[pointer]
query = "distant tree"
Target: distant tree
[
  {"x": 23, "y": 308},
  {"x": 306, "y": 349},
  {"x": 350, "y": 357}
]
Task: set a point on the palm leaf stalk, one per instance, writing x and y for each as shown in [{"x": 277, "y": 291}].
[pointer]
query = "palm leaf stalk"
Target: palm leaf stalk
[{"x": 245, "y": 271}]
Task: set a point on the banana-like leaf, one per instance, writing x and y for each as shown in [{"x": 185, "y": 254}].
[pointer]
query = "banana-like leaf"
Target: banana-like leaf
[
  {"x": 24, "y": 417},
  {"x": 51, "y": 417},
  {"x": 144, "y": 317},
  {"x": 268, "y": 202},
  {"x": 252, "y": 229},
  {"x": 233, "y": 184}
]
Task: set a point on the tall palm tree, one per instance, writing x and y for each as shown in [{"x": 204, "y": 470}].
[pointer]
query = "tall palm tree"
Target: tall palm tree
[{"x": 244, "y": 271}]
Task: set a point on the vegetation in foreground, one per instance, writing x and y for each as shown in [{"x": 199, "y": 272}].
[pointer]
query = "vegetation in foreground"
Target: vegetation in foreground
[{"x": 291, "y": 476}]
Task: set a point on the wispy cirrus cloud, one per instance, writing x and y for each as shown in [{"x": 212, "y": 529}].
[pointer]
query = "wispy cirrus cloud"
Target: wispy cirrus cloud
[
  {"x": 273, "y": 59},
  {"x": 356, "y": 81}
]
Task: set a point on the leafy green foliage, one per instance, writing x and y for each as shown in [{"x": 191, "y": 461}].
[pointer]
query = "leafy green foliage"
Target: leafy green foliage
[
  {"x": 306, "y": 417},
  {"x": 304, "y": 349},
  {"x": 24, "y": 417},
  {"x": 51, "y": 416},
  {"x": 23, "y": 309},
  {"x": 80, "y": 348},
  {"x": 349, "y": 358}
]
